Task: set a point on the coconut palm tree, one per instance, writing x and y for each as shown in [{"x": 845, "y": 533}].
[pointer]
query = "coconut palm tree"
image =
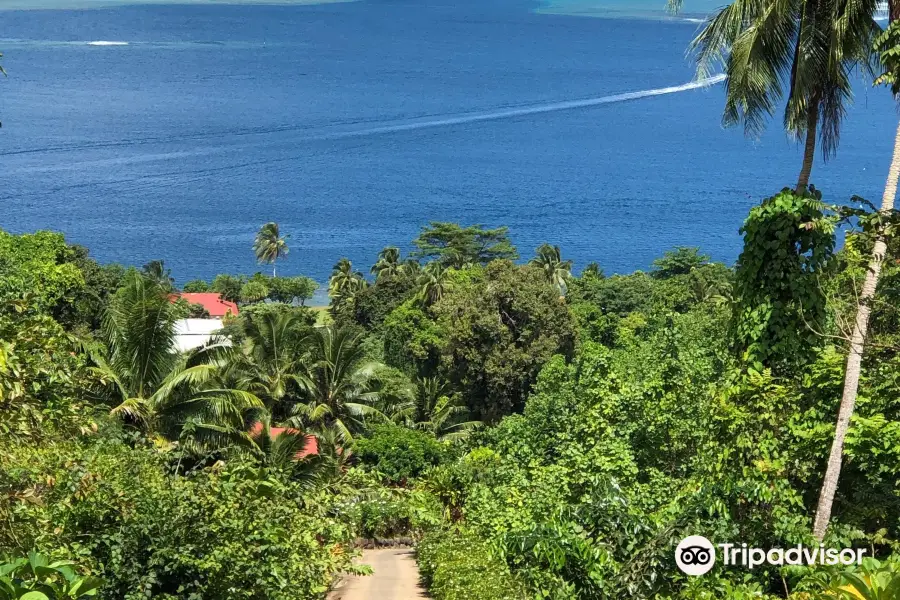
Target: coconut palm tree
[
  {"x": 269, "y": 359},
  {"x": 270, "y": 245},
  {"x": 336, "y": 384},
  {"x": 803, "y": 49},
  {"x": 888, "y": 45},
  {"x": 592, "y": 270},
  {"x": 157, "y": 271},
  {"x": 433, "y": 283},
  {"x": 149, "y": 384},
  {"x": 411, "y": 268},
  {"x": 436, "y": 412},
  {"x": 344, "y": 284},
  {"x": 556, "y": 270},
  {"x": 388, "y": 264},
  {"x": 344, "y": 280}
]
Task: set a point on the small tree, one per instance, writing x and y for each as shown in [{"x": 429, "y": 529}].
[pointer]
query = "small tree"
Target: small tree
[
  {"x": 680, "y": 261},
  {"x": 194, "y": 286},
  {"x": 456, "y": 246},
  {"x": 254, "y": 291}
]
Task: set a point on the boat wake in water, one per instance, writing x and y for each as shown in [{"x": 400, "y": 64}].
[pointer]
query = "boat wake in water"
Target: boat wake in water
[
  {"x": 333, "y": 132},
  {"x": 532, "y": 110}
]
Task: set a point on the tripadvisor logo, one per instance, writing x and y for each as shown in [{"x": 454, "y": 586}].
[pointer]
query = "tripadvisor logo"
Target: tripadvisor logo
[{"x": 696, "y": 555}]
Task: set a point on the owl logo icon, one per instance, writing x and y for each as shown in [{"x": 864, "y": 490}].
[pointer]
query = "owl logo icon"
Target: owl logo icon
[{"x": 695, "y": 555}]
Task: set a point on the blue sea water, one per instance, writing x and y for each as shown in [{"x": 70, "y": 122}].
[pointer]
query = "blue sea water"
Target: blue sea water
[{"x": 352, "y": 125}]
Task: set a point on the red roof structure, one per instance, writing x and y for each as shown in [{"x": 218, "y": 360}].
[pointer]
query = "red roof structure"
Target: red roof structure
[
  {"x": 311, "y": 447},
  {"x": 212, "y": 302}
]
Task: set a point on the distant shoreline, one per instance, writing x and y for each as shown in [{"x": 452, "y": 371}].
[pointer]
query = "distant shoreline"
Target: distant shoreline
[{"x": 97, "y": 4}]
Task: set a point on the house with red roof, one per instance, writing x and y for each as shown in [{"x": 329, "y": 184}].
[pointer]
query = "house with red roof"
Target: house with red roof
[{"x": 214, "y": 304}]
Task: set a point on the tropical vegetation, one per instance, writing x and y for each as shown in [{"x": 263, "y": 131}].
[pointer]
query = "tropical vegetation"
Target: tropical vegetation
[{"x": 537, "y": 432}]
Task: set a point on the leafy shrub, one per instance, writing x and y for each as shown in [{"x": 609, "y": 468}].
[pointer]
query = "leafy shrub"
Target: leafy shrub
[
  {"x": 456, "y": 566},
  {"x": 377, "y": 511},
  {"x": 36, "y": 578},
  {"x": 399, "y": 453},
  {"x": 237, "y": 532}
]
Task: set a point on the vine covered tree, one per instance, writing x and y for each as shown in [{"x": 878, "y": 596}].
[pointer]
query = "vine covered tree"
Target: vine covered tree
[{"x": 788, "y": 243}]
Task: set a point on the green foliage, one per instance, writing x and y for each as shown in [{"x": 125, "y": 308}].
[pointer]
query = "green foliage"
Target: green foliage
[
  {"x": 38, "y": 269},
  {"x": 456, "y": 246},
  {"x": 228, "y": 286},
  {"x": 189, "y": 310},
  {"x": 254, "y": 291},
  {"x": 556, "y": 270},
  {"x": 337, "y": 384},
  {"x": 270, "y": 245},
  {"x": 617, "y": 295},
  {"x": 374, "y": 303},
  {"x": 195, "y": 286},
  {"x": 253, "y": 312},
  {"x": 291, "y": 290},
  {"x": 412, "y": 340},
  {"x": 235, "y": 533},
  {"x": 462, "y": 567},
  {"x": 788, "y": 246},
  {"x": 399, "y": 453},
  {"x": 156, "y": 271},
  {"x": 887, "y": 45},
  {"x": 37, "y": 578},
  {"x": 680, "y": 261},
  {"x": 41, "y": 380},
  {"x": 85, "y": 310},
  {"x": 343, "y": 286},
  {"x": 806, "y": 51},
  {"x": 500, "y": 327}
]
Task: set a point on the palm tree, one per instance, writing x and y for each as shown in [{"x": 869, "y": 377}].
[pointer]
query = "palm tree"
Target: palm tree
[
  {"x": 433, "y": 281},
  {"x": 388, "y": 264},
  {"x": 809, "y": 47},
  {"x": 336, "y": 384},
  {"x": 156, "y": 270},
  {"x": 344, "y": 283},
  {"x": 592, "y": 270},
  {"x": 270, "y": 357},
  {"x": 556, "y": 270},
  {"x": 344, "y": 280},
  {"x": 411, "y": 268},
  {"x": 436, "y": 412},
  {"x": 149, "y": 384},
  {"x": 889, "y": 46},
  {"x": 269, "y": 245}
]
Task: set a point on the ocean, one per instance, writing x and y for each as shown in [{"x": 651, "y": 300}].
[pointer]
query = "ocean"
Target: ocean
[{"x": 173, "y": 131}]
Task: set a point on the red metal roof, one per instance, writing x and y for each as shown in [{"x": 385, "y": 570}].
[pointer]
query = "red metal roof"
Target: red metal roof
[
  {"x": 212, "y": 302},
  {"x": 310, "y": 448}
]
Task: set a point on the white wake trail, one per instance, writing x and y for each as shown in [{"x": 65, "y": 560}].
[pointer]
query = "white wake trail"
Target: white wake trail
[{"x": 534, "y": 110}]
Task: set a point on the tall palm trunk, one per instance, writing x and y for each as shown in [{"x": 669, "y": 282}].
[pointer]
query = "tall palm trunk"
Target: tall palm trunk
[
  {"x": 854, "y": 359},
  {"x": 809, "y": 149}
]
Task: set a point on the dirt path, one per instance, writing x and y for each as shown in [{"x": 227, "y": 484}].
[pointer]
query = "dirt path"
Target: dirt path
[{"x": 396, "y": 577}]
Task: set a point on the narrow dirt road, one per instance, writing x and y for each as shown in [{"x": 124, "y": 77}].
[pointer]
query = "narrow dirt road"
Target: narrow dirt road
[{"x": 395, "y": 578}]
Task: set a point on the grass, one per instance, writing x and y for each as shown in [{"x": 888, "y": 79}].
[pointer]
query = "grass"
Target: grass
[{"x": 322, "y": 316}]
